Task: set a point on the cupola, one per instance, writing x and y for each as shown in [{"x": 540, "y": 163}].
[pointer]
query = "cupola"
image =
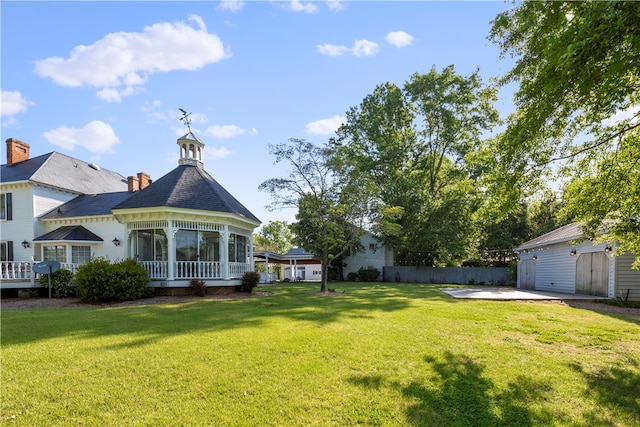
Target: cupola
[
  {"x": 190, "y": 150},
  {"x": 190, "y": 146}
]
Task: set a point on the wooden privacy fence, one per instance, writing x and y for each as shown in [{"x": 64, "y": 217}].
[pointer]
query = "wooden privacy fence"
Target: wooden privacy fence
[{"x": 495, "y": 276}]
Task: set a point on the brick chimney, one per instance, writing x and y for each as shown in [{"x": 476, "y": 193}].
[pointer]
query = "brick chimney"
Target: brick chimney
[
  {"x": 144, "y": 180},
  {"x": 17, "y": 151},
  {"x": 133, "y": 183}
]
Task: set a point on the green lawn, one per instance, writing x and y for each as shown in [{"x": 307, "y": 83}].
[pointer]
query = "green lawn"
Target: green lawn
[{"x": 382, "y": 354}]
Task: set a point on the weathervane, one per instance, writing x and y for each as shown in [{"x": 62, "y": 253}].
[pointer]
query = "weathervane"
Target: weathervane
[{"x": 185, "y": 118}]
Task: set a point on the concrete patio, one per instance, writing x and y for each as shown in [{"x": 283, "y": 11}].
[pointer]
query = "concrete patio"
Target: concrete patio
[{"x": 507, "y": 293}]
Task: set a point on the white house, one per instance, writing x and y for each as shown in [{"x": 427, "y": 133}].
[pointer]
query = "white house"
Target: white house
[
  {"x": 299, "y": 264},
  {"x": 564, "y": 261},
  {"x": 184, "y": 225}
]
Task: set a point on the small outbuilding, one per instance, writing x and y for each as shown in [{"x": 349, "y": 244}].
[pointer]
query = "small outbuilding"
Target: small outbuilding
[{"x": 565, "y": 261}]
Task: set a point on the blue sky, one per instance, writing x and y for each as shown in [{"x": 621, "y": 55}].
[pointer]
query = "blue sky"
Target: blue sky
[{"x": 104, "y": 81}]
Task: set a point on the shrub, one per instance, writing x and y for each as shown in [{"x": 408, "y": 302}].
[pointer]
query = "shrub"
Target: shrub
[
  {"x": 352, "y": 276},
  {"x": 61, "y": 283},
  {"x": 250, "y": 280},
  {"x": 198, "y": 286},
  {"x": 286, "y": 279},
  {"x": 368, "y": 274},
  {"x": 100, "y": 280}
]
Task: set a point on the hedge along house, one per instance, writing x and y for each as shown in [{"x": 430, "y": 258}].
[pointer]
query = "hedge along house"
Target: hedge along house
[
  {"x": 183, "y": 226},
  {"x": 186, "y": 225},
  {"x": 564, "y": 261}
]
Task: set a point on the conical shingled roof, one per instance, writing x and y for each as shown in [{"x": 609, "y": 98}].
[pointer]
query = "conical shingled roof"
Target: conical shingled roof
[{"x": 188, "y": 187}]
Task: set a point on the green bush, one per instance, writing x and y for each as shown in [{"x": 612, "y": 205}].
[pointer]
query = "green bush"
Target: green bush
[
  {"x": 250, "y": 280},
  {"x": 101, "y": 280},
  {"x": 352, "y": 276},
  {"x": 61, "y": 283},
  {"x": 368, "y": 274},
  {"x": 198, "y": 286}
]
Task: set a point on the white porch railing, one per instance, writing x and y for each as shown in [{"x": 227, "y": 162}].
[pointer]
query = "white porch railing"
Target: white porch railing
[
  {"x": 22, "y": 270},
  {"x": 198, "y": 269},
  {"x": 156, "y": 269},
  {"x": 15, "y": 270},
  {"x": 237, "y": 269}
]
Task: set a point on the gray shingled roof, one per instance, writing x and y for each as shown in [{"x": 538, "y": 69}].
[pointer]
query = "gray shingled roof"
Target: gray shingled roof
[
  {"x": 188, "y": 187},
  {"x": 563, "y": 234},
  {"x": 88, "y": 205},
  {"x": 59, "y": 170},
  {"x": 70, "y": 232}
]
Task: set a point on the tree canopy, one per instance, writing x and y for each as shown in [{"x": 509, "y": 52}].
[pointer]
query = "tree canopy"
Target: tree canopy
[
  {"x": 578, "y": 70},
  {"x": 407, "y": 152},
  {"x": 328, "y": 219},
  {"x": 276, "y": 236}
]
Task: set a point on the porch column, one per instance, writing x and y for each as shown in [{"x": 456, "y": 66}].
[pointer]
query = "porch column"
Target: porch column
[
  {"x": 266, "y": 266},
  {"x": 171, "y": 249},
  {"x": 251, "y": 262},
  {"x": 224, "y": 252}
]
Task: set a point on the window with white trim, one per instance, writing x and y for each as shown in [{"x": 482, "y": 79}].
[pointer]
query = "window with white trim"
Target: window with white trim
[
  {"x": 6, "y": 251},
  {"x": 80, "y": 254},
  {"x": 55, "y": 253},
  {"x": 6, "y": 213}
]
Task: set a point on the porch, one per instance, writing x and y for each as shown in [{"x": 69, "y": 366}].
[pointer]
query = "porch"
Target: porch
[{"x": 20, "y": 274}]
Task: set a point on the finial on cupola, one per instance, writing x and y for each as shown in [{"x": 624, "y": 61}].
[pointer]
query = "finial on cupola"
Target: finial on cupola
[
  {"x": 190, "y": 146},
  {"x": 185, "y": 118}
]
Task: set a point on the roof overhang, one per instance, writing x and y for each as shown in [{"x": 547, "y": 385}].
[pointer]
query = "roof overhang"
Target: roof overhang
[
  {"x": 275, "y": 258},
  {"x": 167, "y": 212},
  {"x": 70, "y": 233}
]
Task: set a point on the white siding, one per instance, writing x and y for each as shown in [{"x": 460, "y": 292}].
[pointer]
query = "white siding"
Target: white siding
[
  {"x": 374, "y": 254},
  {"x": 21, "y": 227},
  {"x": 106, "y": 228},
  {"x": 626, "y": 278},
  {"x": 556, "y": 268}
]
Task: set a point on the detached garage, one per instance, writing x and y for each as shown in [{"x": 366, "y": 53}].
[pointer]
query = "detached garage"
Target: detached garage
[{"x": 563, "y": 261}]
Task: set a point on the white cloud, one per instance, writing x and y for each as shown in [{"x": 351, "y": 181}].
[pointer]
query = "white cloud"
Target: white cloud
[
  {"x": 13, "y": 103},
  {"x": 228, "y": 131},
  {"x": 95, "y": 136},
  {"x": 365, "y": 48},
  {"x": 298, "y": 6},
  {"x": 325, "y": 126},
  {"x": 150, "y": 107},
  {"x": 120, "y": 62},
  {"x": 211, "y": 153},
  {"x": 360, "y": 48},
  {"x": 335, "y": 5},
  {"x": 231, "y": 5},
  {"x": 332, "y": 50},
  {"x": 399, "y": 38}
]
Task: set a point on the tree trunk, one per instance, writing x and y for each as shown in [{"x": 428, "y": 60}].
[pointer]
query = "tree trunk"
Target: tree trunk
[{"x": 325, "y": 274}]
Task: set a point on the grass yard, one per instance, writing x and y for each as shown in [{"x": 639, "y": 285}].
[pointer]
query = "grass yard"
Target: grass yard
[{"x": 382, "y": 354}]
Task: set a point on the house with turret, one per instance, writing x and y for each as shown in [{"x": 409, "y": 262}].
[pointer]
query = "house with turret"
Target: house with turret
[{"x": 181, "y": 226}]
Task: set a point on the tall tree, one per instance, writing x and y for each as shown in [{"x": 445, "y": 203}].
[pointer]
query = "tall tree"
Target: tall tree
[
  {"x": 276, "y": 236},
  {"x": 409, "y": 147},
  {"x": 328, "y": 219},
  {"x": 578, "y": 103}
]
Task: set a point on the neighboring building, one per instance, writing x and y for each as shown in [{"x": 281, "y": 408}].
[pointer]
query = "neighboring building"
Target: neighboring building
[
  {"x": 299, "y": 264},
  {"x": 564, "y": 261},
  {"x": 184, "y": 225}
]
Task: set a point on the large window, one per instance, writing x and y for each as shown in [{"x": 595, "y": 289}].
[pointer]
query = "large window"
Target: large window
[
  {"x": 55, "y": 253},
  {"x": 237, "y": 248},
  {"x": 5, "y": 207},
  {"x": 6, "y": 251},
  {"x": 151, "y": 245},
  {"x": 80, "y": 254},
  {"x": 186, "y": 245},
  {"x": 209, "y": 246}
]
